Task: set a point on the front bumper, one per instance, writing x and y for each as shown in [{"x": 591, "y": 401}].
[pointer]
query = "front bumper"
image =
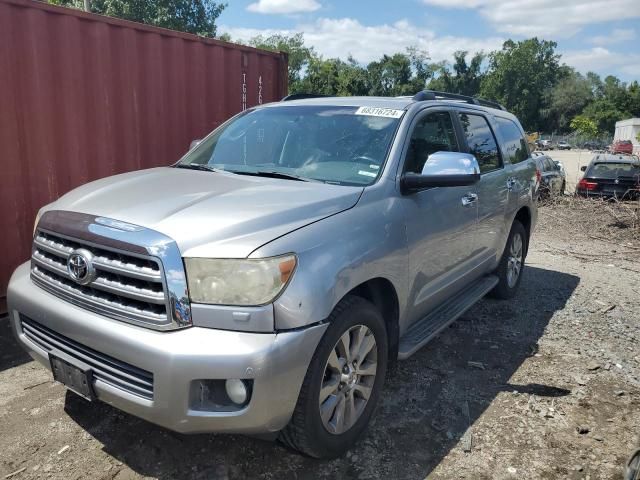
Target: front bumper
[{"x": 277, "y": 362}]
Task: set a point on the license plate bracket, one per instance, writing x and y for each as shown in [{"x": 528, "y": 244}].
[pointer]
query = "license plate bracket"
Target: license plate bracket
[{"x": 76, "y": 376}]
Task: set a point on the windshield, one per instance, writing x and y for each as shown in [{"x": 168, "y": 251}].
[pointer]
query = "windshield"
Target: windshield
[
  {"x": 615, "y": 170},
  {"x": 339, "y": 145}
]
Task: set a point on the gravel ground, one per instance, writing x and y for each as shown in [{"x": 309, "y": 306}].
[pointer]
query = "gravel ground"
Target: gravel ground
[{"x": 544, "y": 386}]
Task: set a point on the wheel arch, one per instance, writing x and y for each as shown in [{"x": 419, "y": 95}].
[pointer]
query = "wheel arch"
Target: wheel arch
[
  {"x": 524, "y": 217},
  {"x": 381, "y": 292}
]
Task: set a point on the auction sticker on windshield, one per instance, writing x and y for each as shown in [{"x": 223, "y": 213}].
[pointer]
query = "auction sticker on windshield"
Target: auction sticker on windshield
[{"x": 380, "y": 112}]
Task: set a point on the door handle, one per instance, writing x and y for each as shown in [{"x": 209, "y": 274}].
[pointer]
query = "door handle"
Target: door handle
[
  {"x": 469, "y": 199},
  {"x": 511, "y": 182}
]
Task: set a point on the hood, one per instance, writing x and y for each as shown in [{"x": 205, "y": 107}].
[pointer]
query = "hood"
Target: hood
[{"x": 210, "y": 214}]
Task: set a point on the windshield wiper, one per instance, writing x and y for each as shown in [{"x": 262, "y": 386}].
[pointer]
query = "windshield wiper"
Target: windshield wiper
[
  {"x": 272, "y": 174},
  {"x": 196, "y": 166}
]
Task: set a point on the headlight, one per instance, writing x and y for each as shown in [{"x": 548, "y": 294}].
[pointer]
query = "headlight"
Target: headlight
[{"x": 238, "y": 281}]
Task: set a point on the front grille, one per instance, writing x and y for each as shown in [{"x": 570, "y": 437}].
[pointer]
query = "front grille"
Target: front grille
[
  {"x": 107, "y": 369},
  {"x": 126, "y": 286}
]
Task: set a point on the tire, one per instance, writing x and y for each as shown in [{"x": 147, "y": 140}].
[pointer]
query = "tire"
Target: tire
[
  {"x": 562, "y": 188},
  {"x": 508, "y": 286},
  {"x": 306, "y": 431}
]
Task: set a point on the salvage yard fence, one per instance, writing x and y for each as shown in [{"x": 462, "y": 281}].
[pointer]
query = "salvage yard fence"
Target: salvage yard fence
[{"x": 83, "y": 96}]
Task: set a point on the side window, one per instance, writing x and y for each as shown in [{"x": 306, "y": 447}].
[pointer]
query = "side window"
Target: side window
[
  {"x": 482, "y": 143},
  {"x": 433, "y": 133},
  {"x": 549, "y": 166},
  {"x": 516, "y": 149}
]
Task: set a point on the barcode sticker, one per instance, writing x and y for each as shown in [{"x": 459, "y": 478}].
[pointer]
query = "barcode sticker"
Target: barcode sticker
[{"x": 380, "y": 112}]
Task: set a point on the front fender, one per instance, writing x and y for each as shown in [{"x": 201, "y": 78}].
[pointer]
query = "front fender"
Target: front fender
[{"x": 337, "y": 254}]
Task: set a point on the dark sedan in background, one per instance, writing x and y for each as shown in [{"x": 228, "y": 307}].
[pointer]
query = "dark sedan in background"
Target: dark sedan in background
[
  {"x": 611, "y": 176},
  {"x": 552, "y": 175}
]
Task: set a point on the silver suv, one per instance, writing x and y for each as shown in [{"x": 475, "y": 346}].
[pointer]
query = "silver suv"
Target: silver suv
[{"x": 265, "y": 282}]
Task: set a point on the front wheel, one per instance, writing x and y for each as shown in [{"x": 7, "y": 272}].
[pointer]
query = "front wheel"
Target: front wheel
[
  {"x": 509, "y": 270},
  {"x": 343, "y": 382}
]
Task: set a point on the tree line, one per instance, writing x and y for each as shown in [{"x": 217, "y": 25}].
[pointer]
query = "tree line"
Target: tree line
[{"x": 527, "y": 77}]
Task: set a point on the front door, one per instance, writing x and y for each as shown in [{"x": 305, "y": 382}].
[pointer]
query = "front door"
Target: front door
[{"x": 440, "y": 225}]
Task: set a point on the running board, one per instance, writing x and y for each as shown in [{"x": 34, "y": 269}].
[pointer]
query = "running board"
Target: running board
[{"x": 423, "y": 331}]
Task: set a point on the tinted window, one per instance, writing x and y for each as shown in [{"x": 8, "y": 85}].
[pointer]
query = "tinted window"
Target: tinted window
[
  {"x": 515, "y": 146},
  {"x": 482, "y": 143},
  {"x": 433, "y": 133}
]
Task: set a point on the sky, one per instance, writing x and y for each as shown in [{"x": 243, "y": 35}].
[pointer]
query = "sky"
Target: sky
[{"x": 592, "y": 35}]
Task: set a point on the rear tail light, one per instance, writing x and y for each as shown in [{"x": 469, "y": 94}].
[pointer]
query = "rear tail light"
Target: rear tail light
[
  {"x": 587, "y": 185},
  {"x": 538, "y": 176}
]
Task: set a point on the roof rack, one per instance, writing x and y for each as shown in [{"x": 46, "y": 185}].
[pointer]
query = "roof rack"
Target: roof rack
[
  {"x": 301, "y": 96},
  {"x": 434, "y": 95}
]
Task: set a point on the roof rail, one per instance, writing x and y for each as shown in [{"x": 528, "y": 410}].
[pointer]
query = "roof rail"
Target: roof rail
[
  {"x": 435, "y": 95},
  {"x": 301, "y": 96}
]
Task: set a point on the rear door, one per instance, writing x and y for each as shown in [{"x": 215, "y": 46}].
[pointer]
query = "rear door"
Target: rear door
[
  {"x": 522, "y": 169},
  {"x": 492, "y": 189}
]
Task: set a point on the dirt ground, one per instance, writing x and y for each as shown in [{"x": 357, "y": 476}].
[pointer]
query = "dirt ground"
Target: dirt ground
[{"x": 544, "y": 386}]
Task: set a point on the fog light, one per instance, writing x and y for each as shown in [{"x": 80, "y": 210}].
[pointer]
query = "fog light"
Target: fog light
[{"x": 236, "y": 390}]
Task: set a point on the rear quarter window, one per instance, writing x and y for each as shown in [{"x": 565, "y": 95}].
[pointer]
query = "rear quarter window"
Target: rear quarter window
[{"x": 515, "y": 146}]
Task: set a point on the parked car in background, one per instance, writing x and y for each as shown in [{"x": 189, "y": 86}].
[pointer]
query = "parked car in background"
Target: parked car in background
[
  {"x": 593, "y": 145},
  {"x": 544, "y": 145},
  {"x": 622, "y": 146},
  {"x": 563, "y": 146},
  {"x": 552, "y": 176},
  {"x": 263, "y": 283},
  {"x": 611, "y": 176}
]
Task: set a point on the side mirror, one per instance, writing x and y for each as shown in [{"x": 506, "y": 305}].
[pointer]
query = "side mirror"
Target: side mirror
[
  {"x": 194, "y": 143},
  {"x": 443, "y": 169},
  {"x": 583, "y": 168}
]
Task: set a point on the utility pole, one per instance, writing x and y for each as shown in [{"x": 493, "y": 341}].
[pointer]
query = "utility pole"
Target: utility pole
[{"x": 87, "y": 5}]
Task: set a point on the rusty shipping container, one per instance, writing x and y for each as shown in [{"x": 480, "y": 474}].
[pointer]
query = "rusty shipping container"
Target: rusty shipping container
[{"x": 84, "y": 96}]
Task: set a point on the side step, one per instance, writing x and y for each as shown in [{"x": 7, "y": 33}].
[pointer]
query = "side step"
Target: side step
[{"x": 423, "y": 331}]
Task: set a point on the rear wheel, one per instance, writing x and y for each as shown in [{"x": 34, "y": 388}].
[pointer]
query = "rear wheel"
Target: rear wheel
[
  {"x": 343, "y": 382},
  {"x": 509, "y": 270}
]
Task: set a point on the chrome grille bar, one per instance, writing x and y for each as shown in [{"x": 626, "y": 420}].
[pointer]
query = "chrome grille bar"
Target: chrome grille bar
[
  {"x": 113, "y": 268},
  {"x": 124, "y": 284}
]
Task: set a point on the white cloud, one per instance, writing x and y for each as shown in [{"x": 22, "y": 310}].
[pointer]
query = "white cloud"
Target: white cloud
[
  {"x": 604, "y": 61},
  {"x": 284, "y": 6},
  {"x": 618, "y": 35},
  {"x": 544, "y": 18},
  {"x": 342, "y": 37}
]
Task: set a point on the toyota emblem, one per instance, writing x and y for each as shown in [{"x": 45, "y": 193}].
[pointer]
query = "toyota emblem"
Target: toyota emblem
[{"x": 80, "y": 266}]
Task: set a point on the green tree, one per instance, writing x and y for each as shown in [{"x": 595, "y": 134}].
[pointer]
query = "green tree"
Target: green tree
[
  {"x": 519, "y": 75},
  {"x": 466, "y": 78},
  {"x": 605, "y": 113},
  {"x": 400, "y": 74},
  {"x": 192, "y": 16},
  {"x": 584, "y": 126},
  {"x": 568, "y": 98},
  {"x": 613, "y": 101},
  {"x": 300, "y": 56}
]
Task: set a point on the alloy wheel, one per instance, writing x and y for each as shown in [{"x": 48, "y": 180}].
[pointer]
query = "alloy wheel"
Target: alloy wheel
[
  {"x": 514, "y": 262},
  {"x": 348, "y": 379}
]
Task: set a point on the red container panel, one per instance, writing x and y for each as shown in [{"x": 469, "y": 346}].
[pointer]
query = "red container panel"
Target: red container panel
[{"x": 84, "y": 96}]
